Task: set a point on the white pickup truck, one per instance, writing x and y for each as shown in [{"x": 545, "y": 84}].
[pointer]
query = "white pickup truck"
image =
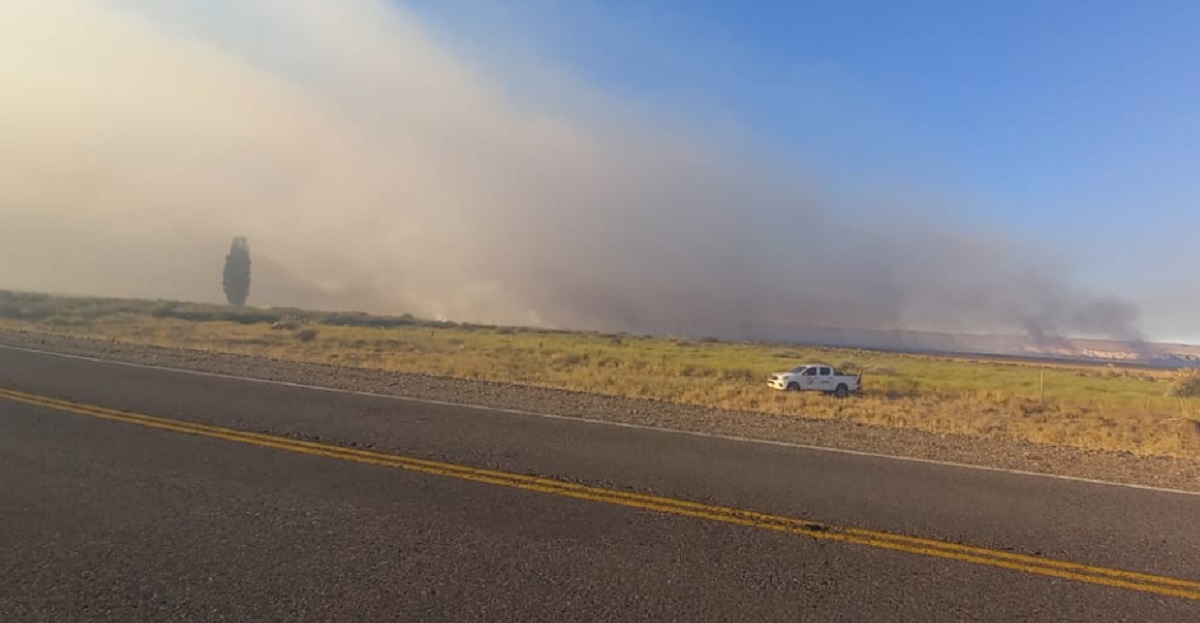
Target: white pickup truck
[{"x": 816, "y": 377}]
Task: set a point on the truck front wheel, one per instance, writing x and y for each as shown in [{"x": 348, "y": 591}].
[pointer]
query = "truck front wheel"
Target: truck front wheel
[{"x": 793, "y": 387}]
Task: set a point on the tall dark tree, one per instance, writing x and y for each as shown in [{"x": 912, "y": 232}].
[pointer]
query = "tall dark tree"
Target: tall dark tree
[{"x": 237, "y": 272}]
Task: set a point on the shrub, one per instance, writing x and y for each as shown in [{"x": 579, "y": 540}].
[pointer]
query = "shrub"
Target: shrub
[
  {"x": 1187, "y": 384},
  {"x": 905, "y": 388},
  {"x": 739, "y": 374},
  {"x": 18, "y": 312},
  {"x": 65, "y": 320},
  {"x": 250, "y": 317},
  {"x": 163, "y": 310},
  {"x": 306, "y": 335}
]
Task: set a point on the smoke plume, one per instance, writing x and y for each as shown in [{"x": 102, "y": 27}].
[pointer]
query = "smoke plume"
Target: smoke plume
[{"x": 373, "y": 167}]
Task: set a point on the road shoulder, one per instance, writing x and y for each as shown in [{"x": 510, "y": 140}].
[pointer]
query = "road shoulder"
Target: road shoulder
[{"x": 1117, "y": 467}]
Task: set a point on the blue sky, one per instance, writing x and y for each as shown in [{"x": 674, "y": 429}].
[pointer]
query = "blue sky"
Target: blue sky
[
  {"x": 1052, "y": 111},
  {"x": 1076, "y": 123}
]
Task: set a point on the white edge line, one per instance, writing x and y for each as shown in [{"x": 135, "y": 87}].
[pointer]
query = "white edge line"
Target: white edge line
[{"x": 586, "y": 420}]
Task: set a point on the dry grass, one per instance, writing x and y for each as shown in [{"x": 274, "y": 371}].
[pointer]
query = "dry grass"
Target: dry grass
[{"x": 1108, "y": 408}]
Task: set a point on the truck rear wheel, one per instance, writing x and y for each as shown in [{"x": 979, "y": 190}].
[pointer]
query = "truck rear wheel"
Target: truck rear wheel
[{"x": 842, "y": 391}]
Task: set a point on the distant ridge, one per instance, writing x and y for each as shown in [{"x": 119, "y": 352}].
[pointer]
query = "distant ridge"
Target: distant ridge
[{"x": 1082, "y": 350}]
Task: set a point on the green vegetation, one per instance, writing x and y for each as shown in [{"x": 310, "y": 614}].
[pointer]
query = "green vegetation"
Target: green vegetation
[
  {"x": 1103, "y": 407},
  {"x": 1187, "y": 384},
  {"x": 236, "y": 276}
]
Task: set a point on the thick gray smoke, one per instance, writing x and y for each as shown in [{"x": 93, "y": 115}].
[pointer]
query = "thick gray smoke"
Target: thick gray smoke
[{"x": 373, "y": 168}]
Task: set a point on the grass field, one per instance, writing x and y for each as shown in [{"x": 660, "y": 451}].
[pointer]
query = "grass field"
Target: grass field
[{"x": 1101, "y": 407}]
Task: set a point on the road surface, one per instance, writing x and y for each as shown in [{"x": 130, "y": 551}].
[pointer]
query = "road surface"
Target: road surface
[{"x": 137, "y": 494}]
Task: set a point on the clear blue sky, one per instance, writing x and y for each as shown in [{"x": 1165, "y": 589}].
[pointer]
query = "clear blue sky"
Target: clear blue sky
[{"x": 1077, "y": 121}]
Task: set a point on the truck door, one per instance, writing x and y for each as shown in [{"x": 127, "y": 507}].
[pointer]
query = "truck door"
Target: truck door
[
  {"x": 826, "y": 380},
  {"x": 810, "y": 378}
]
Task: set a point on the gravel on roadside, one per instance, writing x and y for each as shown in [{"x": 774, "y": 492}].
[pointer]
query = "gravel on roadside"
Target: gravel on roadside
[{"x": 987, "y": 452}]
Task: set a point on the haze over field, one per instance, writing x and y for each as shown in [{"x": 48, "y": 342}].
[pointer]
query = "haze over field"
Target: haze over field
[{"x": 375, "y": 165}]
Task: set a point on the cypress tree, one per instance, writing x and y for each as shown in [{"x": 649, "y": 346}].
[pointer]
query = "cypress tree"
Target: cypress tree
[{"x": 237, "y": 272}]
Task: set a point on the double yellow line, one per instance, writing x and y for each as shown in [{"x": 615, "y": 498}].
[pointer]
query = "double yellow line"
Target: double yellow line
[{"x": 1147, "y": 583}]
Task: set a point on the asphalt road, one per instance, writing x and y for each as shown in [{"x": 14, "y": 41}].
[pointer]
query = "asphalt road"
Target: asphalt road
[{"x": 114, "y": 516}]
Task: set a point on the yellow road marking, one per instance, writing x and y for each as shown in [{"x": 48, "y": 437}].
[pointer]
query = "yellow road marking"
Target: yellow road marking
[{"x": 1144, "y": 582}]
